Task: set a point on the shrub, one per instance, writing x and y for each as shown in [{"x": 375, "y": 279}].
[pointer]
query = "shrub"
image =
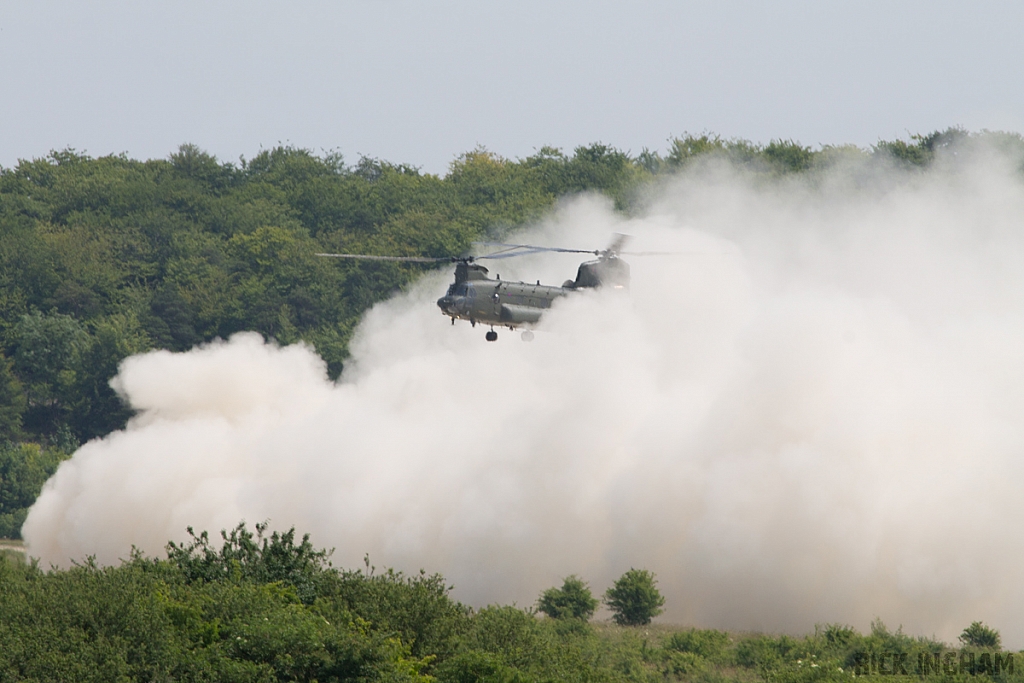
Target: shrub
[
  {"x": 511, "y": 634},
  {"x": 707, "y": 643},
  {"x": 572, "y": 601},
  {"x": 685, "y": 664},
  {"x": 634, "y": 598},
  {"x": 254, "y": 557},
  {"x": 838, "y": 635},
  {"x": 766, "y": 651},
  {"x": 476, "y": 667},
  {"x": 981, "y": 636}
]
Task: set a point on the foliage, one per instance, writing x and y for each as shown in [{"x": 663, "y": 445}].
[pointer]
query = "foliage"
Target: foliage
[
  {"x": 706, "y": 643},
  {"x": 634, "y": 599},
  {"x": 46, "y": 349},
  {"x": 921, "y": 149},
  {"x": 788, "y": 156},
  {"x": 101, "y": 258},
  {"x": 265, "y": 607},
  {"x": 140, "y": 621},
  {"x": 417, "y": 608},
  {"x": 980, "y": 636},
  {"x": 24, "y": 468},
  {"x": 12, "y": 401},
  {"x": 254, "y": 558},
  {"x": 572, "y": 601}
]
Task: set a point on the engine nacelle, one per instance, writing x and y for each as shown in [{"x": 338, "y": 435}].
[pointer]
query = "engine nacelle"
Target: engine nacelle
[{"x": 605, "y": 272}]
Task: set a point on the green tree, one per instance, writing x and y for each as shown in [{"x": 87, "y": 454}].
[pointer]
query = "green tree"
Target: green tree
[
  {"x": 981, "y": 636},
  {"x": 45, "y": 346},
  {"x": 46, "y": 353},
  {"x": 634, "y": 599},
  {"x": 788, "y": 156},
  {"x": 572, "y": 601},
  {"x": 12, "y": 401},
  {"x": 683, "y": 150},
  {"x": 95, "y": 408},
  {"x": 24, "y": 468}
]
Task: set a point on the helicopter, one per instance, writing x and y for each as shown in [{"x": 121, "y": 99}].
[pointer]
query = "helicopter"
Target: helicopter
[{"x": 502, "y": 303}]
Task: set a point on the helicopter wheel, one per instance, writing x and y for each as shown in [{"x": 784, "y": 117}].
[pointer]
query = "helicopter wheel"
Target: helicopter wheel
[
  {"x": 491, "y": 336},
  {"x": 527, "y": 335}
]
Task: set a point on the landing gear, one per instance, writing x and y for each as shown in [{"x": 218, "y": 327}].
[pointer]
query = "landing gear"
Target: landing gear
[
  {"x": 527, "y": 335},
  {"x": 491, "y": 336}
]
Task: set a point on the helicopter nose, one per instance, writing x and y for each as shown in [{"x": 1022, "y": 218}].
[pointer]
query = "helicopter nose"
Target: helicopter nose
[{"x": 444, "y": 303}]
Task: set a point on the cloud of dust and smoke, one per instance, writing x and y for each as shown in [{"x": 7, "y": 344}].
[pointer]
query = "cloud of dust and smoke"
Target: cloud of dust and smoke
[{"x": 812, "y": 415}]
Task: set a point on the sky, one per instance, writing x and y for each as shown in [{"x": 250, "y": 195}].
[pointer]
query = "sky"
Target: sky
[{"x": 423, "y": 82}]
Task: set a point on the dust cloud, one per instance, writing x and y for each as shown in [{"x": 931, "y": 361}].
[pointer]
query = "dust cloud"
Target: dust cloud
[{"x": 814, "y": 413}]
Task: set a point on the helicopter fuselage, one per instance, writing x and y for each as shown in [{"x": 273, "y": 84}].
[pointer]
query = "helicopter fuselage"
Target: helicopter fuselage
[
  {"x": 479, "y": 299},
  {"x": 499, "y": 302}
]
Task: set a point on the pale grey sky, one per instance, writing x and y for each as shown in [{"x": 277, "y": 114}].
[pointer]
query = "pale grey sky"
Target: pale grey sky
[{"x": 421, "y": 82}]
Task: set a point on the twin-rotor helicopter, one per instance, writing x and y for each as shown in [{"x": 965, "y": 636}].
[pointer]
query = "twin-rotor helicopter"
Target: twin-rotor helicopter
[{"x": 502, "y": 303}]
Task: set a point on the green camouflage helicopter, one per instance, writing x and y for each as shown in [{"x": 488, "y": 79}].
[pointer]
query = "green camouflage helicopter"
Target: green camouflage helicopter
[{"x": 501, "y": 303}]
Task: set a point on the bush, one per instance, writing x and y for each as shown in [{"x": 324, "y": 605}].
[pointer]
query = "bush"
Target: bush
[
  {"x": 476, "y": 667},
  {"x": 685, "y": 664},
  {"x": 634, "y": 598},
  {"x": 510, "y": 633},
  {"x": 766, "y": 651},
  {"x": 707, "y": 643},
  {"x": 981, "y": 636},
  {"x": 572, "y": 601},
  {"x": 254, "y": 558},
  {"x": 417, "y": 607},
  {"x": 838, "y": 635}
]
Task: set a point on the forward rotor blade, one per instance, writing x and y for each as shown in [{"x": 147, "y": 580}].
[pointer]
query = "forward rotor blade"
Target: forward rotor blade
[
  {"x": 674, "y": 253},
  {"x": 407, "y": 259},
  {"x": 509, "y": 254},
  {"x": 533, "y": 248}
]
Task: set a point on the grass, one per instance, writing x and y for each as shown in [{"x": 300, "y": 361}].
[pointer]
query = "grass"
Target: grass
[{"x": 13, "y": 549}]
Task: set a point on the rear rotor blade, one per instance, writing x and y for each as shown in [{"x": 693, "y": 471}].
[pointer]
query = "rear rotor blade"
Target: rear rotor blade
[{"x": 618, "y": 242}]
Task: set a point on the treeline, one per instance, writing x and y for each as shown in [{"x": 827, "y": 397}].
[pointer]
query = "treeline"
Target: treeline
[
  {"x": 272, "y": 608},
  {"x": 781, "y": 157},
  {"x": 101, "y": 258}
]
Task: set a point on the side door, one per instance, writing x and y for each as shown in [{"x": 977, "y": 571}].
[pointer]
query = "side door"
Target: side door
[
  {"x": 496, "y": 297},
  {"x": 471, "y": 302}
]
